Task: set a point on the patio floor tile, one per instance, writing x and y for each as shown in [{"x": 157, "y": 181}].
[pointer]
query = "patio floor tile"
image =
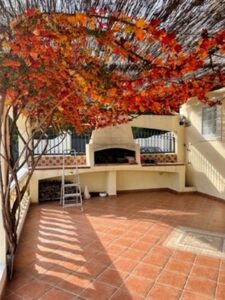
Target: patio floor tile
[
  {"x": 201, "y": 286},
  {"x": 57, "y": 294},
  {"x": 115, "y": 250},
  {"x": 220, "y": 292},
  {"x": 174, "y": 279},
  {"x": 98, "y": 290},
  {"x": 133, "y": 254},
  {"x": 138, "y": 285},
  {"x": 147, "y": 271},
  {"x": 124, "y": 264},
  {"x": 75, "y": 283},
  {"x": 155, "y": 259},
  {"x": 206, "y": 261},
  {"x": 221, "y": 278},
  {"x": 19, "y": 280},
  {"x": 184, "y": 256},
  {"x": 178, "y": 266},
  {"x": 160, "y": 250},
  {"x": 55, "y": 275},
  {"x": 112, "y": 277},
  {"x": 91, "y": 269},
  {"x": 191, "y": 296},
  {"x": 142, "y": 246},
  {"x": 124, "y": 294},
  {"x": 33, "y": 290},
  {"x": 205, "y": 272},
  {"x": 222, "y": 265},
  {"x": 163, "y": 292}
]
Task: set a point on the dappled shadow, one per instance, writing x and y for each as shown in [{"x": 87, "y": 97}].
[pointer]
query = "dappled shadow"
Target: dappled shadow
[
  {"x": 99, "y": 253},
  {"x": 65, "y": 251}
]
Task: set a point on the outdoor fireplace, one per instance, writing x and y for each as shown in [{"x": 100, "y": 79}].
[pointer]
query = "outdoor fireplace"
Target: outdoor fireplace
[{"x": 112, "y": 145}]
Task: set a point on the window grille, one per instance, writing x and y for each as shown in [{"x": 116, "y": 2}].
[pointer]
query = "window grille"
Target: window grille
[
  {"x": 154, "y": 140},
  {"x": 211, "y": 121}
]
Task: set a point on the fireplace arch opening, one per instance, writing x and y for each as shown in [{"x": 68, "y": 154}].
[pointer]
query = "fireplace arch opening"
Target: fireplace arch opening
[{"x": 114, "y": 156}]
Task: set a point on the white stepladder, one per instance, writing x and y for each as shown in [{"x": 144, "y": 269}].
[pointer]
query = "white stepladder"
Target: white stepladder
[{"x": 71, "y": 192}]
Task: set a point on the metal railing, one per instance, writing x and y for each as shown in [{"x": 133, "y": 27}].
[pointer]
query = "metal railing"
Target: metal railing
[
  {"x": 150, "y": 141},
  {"x": 57, "y": 143},
  {"x": 154, "y": 140}
]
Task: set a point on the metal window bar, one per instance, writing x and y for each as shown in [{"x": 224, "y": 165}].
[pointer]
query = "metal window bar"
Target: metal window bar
[{"x": 79, "y": 142}]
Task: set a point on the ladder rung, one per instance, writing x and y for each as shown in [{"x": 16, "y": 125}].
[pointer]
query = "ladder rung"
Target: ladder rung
[
  {"x": 72, "y": 204},
  {"x": 71, "y": 184},
  {"x": 72, "y": 195}
]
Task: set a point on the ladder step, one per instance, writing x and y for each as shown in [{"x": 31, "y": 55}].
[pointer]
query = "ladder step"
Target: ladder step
[
  {"x": 72, "y": 195},
  {"x": 71, "y": 184},
  {"x": 73, "y": 204}
]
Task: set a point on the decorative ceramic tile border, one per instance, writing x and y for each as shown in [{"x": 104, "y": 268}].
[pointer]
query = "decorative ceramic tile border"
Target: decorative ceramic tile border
[
  {"x": 159, "y": 157},
  {"x": 197, "y": 241},
  {"x": 52, "y": 161}
]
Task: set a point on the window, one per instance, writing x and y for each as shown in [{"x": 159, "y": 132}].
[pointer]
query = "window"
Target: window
[{"x": 211, "y": 122}]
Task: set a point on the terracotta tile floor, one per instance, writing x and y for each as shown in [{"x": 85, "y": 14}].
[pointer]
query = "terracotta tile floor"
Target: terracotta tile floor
[{"x": 114, "y": 250}]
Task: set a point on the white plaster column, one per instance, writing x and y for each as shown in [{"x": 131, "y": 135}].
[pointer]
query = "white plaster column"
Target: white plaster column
[{"x": 111, "y": 183}]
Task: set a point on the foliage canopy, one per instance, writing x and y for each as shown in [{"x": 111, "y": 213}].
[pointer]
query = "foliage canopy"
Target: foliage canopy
[{"x": 97, "y": 68}]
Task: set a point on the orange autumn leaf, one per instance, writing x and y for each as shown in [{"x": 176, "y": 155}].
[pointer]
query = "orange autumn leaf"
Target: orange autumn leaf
[
  {"x": 139, "y": 34},
  {"x": 11, "y": 63},
  {"x": 112, "y": 92},
  {"x": 140, "y": 23},
  {"x": 82, "y": 18}
]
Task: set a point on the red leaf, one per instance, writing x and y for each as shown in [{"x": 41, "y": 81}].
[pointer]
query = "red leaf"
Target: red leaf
[
  {"x": 31, "y": 12},
  {"x": 178, "y": 48},
  {"x": 166, "y": 40},
  {"x": 155, "y": 22}
]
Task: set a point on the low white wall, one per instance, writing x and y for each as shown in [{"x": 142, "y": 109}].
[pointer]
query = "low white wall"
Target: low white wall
[
  {"x": 119, "y": 177},
  {"x": 142, "y": 180}
]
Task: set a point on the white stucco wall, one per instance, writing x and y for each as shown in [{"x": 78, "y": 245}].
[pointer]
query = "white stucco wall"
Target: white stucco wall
[
  {"x": 114, "y": 178},
  {"x": 205, "y": 157}
]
